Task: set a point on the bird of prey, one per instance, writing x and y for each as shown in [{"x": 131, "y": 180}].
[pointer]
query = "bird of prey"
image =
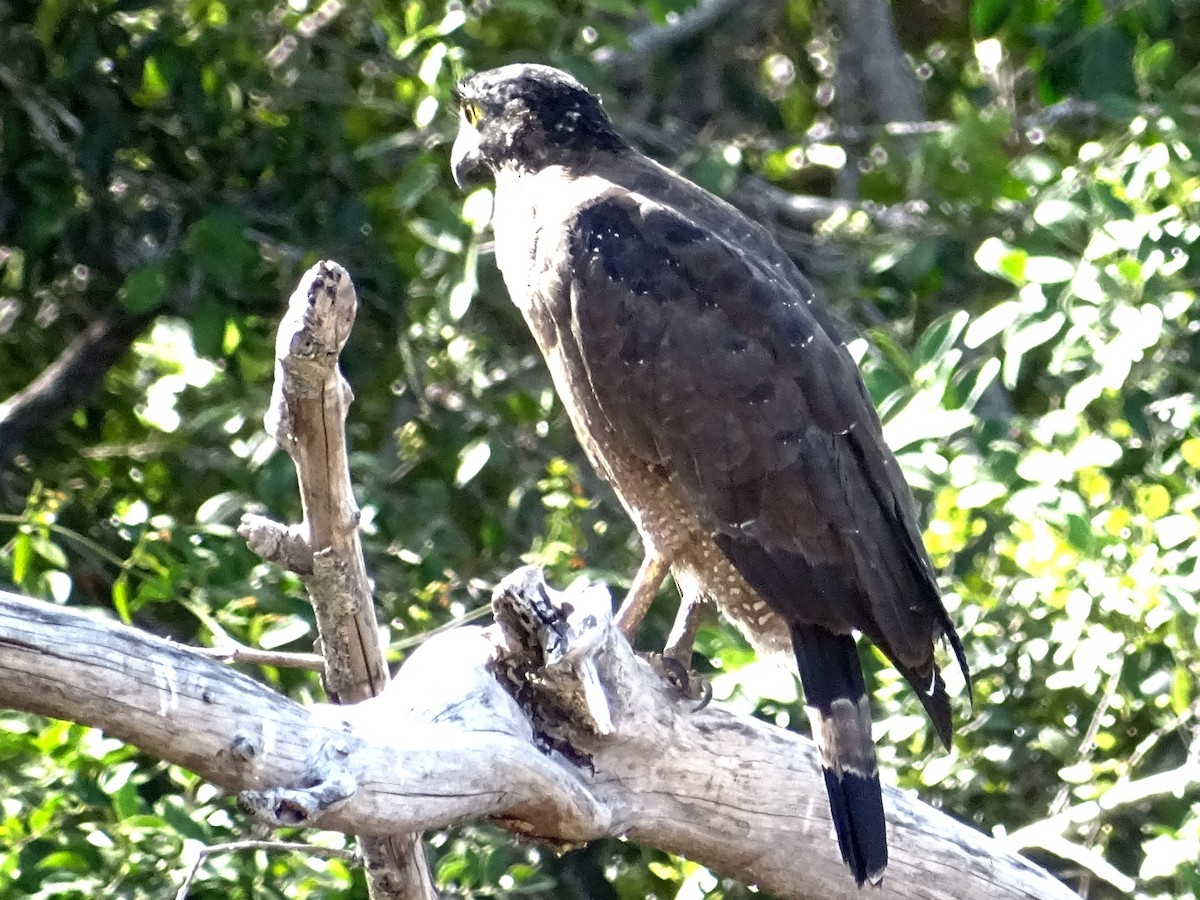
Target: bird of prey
[{"x": 707, "y": 385}]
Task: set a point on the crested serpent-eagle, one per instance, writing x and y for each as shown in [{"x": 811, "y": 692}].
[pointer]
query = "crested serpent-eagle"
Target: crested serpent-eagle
[{"x": 707, "y": 384}]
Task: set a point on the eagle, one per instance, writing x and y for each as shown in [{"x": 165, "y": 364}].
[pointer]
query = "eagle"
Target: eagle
[{"x": 708, "y": 385}]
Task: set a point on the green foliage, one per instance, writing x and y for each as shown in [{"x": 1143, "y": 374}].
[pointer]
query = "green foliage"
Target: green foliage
[{"x": 1032, "y": 350}]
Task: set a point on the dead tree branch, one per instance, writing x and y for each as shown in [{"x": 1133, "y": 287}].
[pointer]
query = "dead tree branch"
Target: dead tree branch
[
  {"x": 653, "y": 40},
  {"x": 547, "y": 724},
  {"x": 872, "y": 69},
  {"x": 310, "y": 401}
]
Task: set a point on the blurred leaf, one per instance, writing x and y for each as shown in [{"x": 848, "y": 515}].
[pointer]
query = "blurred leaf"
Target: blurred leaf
[
  {"x": 58, "y": 586},
  {"x": 283, "y": 632},
  {"x": 219, "y": 247},
  {"x": 22, "y": 554},
  {"x": 50, "y": 14},
  {"x": 997, "y": 258},
  {"x": 120, "y": 598},
  {"x": 49, "y": 551},
  {"x": 1048, "y": 269},
  {"x": 988, "y": 15},
  {"x": 471, "y": 460},
  {"x": 1190, "y": 451},
  {"x": 144, "y": 288},
  {"x": 1107, "y": 64},
  {"x": 997, "y": 319},
  {"x": 941, "y": 336}
]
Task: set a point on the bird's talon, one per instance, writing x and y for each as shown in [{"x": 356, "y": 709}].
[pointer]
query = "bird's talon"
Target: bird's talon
[
  {"x": 676, "y": 673},
  {"x": 688, "y": 683}
]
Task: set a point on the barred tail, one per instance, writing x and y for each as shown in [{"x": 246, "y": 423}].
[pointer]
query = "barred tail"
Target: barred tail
[{"x": 836, "y": 698}]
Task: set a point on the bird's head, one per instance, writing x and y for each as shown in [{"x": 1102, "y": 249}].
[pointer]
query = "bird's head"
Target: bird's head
[{"x": 527, "y": 117}]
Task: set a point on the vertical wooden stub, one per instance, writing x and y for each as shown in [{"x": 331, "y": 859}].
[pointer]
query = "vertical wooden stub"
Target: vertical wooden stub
[
  {"x": 310, "y": 402},
  {"x": 309, "y": 406}
]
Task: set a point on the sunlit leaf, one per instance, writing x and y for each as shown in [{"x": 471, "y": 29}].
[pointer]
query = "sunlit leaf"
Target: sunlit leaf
[
  {"x": 22, "y": 556},
  {"x": 285, "y": 631},
  {"x": 991, "y": 323},
  {"x": 471, "y": 460}
]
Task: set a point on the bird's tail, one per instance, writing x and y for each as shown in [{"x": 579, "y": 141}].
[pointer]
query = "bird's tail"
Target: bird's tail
[{"x": 836, "y": 697}]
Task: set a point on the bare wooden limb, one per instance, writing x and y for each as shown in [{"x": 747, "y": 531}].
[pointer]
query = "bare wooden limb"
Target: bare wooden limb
[
  {"x": 443, "y": 744},
  {"x": 159, "y": 695},
  {"x": 45, "y": 114},
  {"x": 310, "y": 401},
  {"x": 875, "y": 81},
  {"x": 736, "y": 794},
  {"x": 307, "y": 417},
  {"x": 278, "y": 543},
  {"x": 872, "y": 68},
  {"x": 233, "y": 652},
  {"x": 446, "y": 743},
  {"x": 654, "y": 39},
  {"x": 766, "y": 201}
]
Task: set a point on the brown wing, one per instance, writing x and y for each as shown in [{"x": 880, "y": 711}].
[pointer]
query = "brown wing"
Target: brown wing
[{"x": 712, "y": 361}]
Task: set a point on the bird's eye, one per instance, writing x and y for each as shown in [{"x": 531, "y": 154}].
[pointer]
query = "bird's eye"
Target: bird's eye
[{"x": 472, "y": 112}]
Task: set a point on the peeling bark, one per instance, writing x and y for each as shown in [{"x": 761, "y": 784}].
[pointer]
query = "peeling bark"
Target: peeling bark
[{"x": 460, "y": 735}]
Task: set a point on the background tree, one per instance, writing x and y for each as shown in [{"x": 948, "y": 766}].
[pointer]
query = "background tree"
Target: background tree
[{"x": 1022, "y": 261}]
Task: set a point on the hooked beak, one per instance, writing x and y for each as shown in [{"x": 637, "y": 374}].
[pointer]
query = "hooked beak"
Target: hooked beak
[{"x": 465, "y": 159}]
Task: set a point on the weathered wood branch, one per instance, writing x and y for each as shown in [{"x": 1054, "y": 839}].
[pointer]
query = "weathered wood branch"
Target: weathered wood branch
[
  {"x": 547, "y": 724},
  {"x": 310, "y": 401},
  {"x": 655, "y": 39}
]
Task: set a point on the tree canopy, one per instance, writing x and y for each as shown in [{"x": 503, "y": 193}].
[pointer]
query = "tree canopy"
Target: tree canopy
[{"x": 1011, "y": 247}]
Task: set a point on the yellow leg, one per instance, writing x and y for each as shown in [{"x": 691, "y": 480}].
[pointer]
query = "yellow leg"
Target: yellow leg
[
  {"x": 649, "y": 579},
  {"x": 682, "y": 638}
]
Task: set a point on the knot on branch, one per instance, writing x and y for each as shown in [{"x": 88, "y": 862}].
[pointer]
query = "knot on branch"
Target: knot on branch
[
  {"x": 247, "y": 745},
  {"x": 317, "y": 324},
  {"x": 275, "y": 542},
  {"x": 551, "y": 643},
  {"x": 327, "y": 782},
  {"x": 311, "y": 335}
]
